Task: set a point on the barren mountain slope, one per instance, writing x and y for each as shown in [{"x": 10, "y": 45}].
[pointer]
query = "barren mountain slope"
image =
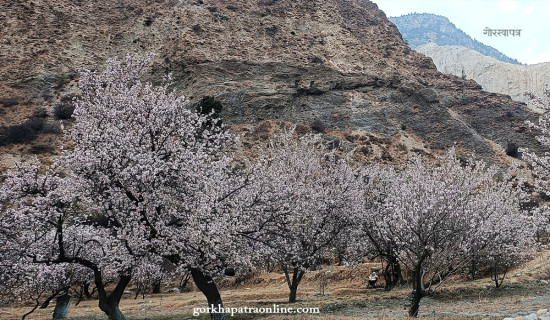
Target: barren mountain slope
[
  {"x": 338, "y": 63},
  {"x": 491, "y": 74}
]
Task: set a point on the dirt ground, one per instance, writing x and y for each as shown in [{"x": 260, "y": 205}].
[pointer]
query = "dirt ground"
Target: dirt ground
[{"x": 346, "y": 297}]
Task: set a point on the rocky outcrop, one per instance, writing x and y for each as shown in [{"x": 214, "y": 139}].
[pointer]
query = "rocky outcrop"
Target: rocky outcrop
[
  {"x": 542, "y": 314},
  {"x": 493, "y": 75},
  {"x": 337, "y": 63}
]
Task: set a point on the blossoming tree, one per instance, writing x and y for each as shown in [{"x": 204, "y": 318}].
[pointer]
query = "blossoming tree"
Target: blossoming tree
[
  {"x": 436, "y": 217},
  {"x": 372, "y": 231},
  {"x": 541, "y": 162},
  {"x": 302, "y": 199},
  {"x": 52, "y": 246},
  {"x": 148, "y": 180}
]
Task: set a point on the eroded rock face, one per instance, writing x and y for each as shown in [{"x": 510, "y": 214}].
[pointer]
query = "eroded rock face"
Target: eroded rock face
[
  {"x": 338, "y": 62},
  {"x": 493, "y": 75}
]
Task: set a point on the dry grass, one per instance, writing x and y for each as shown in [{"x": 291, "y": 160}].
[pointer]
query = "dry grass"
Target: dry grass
[{"x": 346, "y": 298}]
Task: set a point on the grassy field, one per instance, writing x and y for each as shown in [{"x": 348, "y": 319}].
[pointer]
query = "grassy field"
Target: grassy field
[{"x": 346, "y": 297}]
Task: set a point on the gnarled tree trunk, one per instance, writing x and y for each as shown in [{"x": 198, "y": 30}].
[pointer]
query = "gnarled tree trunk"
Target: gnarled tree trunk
[
  {"x": 207, "y": 286},
  {"x": 62, "y": 304},
  {"x": 109, "y": 303}
]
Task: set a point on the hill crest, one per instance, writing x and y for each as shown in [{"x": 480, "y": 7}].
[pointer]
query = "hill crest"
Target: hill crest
[{"x": 422, "y": 28}]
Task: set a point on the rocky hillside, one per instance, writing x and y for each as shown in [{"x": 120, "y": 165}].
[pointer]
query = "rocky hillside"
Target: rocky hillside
[
  {"x": 491, "y": 74},
  {"x": 423, "y": 28},
  {"x": 336, "y": 66}
]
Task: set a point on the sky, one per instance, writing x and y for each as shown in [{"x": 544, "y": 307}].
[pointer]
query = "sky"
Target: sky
[{"x": 472, "y": 16}]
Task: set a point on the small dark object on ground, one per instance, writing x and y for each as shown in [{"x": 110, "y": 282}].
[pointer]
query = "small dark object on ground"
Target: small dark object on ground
[{"x": 230, "y": 272}]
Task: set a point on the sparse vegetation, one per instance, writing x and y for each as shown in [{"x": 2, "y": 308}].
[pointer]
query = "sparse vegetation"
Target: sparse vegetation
[
  {"x": 25, "y": 132},
  {"x": 63, "y": 110},
  {"x": 209, "y": 106}
]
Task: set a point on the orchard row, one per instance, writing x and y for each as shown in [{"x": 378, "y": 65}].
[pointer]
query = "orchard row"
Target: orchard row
[{"x": 148, "y": 188}]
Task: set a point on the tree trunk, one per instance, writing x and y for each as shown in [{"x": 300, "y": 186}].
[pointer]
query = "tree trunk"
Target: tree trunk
[
  {"x": 398, "y": 276},
  {"x": 111, "y": 310},
  {"x": 390, "y": 281},
  {"x": 340, "y": 259},
  {"x": 156, "y": 287},
  {"x": 495, "y": 271},
  {"x": 292, "y": 295},
  {"x": 415, "y": 303},
  {"x": 86, "y": 289},
  {"x": 32, "y": 310},
  {"x": 183, "y": 282},
  {"x": 473, "y": 269},
  {"x": 109, "y": 303},
  {"x": 110, "y": 307},
  {"x": 297, "y": 275},
  {"x": 62, "y": 304},
  {"x": 392, "y": 273},
  {"x": 207, "y": 286},
  {"x": 418, "y": 291}
]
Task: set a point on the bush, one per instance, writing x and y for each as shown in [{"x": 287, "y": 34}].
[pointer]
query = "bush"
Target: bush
[
  {"x": 40, "y": 113},
  {"x": 212, "y": 107},
  {"x": 262, "y": 131},
  {"x": 35, "y": 124},
  {"x": 27, "y": 131},
  {"x": 318, "y": 126},
  {"x": 316, "y": 59},
  {"x": 301, "y": 129},
  {"x": 386, "y": 156},
  {"x": 196, "y": 28},
  {"x": 512, "y": 150},
  {"x": 22, "y": 133},
  {"x": 334, "y": 144},
  {"x": 51, "y": 127},
  {"x": 8, "y": 102},
  {"x": 209, "y": 105},
  {"x": 63, "y": 111}
]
